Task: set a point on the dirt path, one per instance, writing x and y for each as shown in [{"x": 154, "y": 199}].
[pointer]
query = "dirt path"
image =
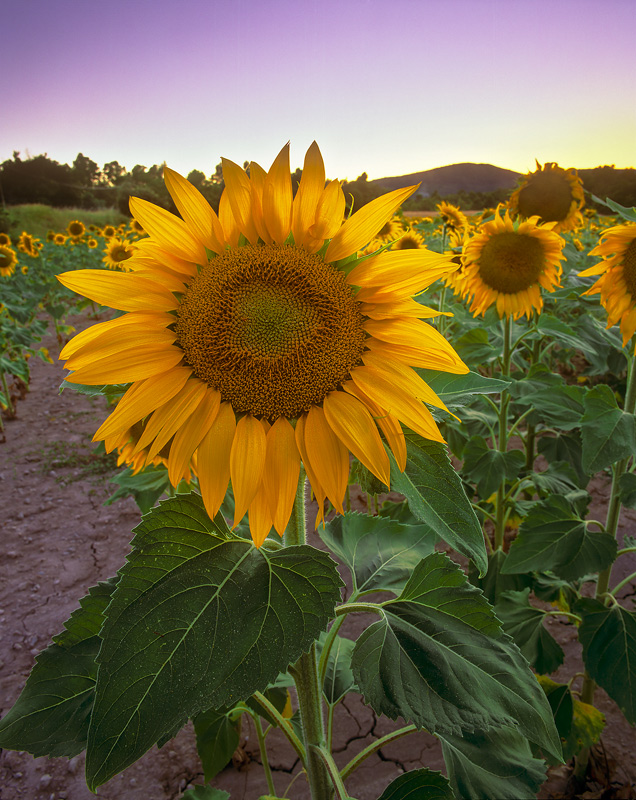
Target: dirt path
[{"x": 59, "y": 539}]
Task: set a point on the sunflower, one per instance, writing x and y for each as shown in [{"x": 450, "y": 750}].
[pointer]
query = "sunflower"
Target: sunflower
[
  {"x": 126, "y": 445},
  {"x": 29, "y": 244},
  {"x": 257, "y": 339},
  {"x": 411, "y": 240},
  {"x": 118, "y": 251},
  {"x": 391, "y": 229},
  {"x": 551, "y": 193},
  {"x": 24, "y": 269},
  {"x": 76, "y": 229},
  {"x": 5, "y": 239},
  {"x": 8, "y": 261},
  {"x": 60, "y": 239},
  {"x": 617, "y": 284},
  {"x": 108, "y": 231},
  {"x": 508, "y": 262},
  {"x": 92, "y": 243},
  {"x": 452, "y": 217},
  {"x": 136, "y": 226}
]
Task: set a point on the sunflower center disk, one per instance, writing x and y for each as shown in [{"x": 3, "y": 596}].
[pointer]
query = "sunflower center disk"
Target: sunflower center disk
[
  {"x": 273, "y": 328},
  {"x": 511, "y": 262},
  {"x": 547, "y": 195},
  {"x": 629, "y": 268}
]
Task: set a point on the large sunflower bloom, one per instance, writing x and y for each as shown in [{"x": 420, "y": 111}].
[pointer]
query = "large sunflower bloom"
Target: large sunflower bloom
[
  {"x": 256, "y": 339},
  {"x": 617, "y": 284},
  {"x": 551, "y": 193},
  {"x": 8, "y": 260},
  {"x": 508, "y": 263}
]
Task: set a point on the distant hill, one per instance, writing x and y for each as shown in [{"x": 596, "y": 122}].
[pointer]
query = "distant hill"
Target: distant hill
[{"x": 453, "y": 179}]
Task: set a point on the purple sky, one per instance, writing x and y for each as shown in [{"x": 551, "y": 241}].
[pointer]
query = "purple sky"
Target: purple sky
[{"x": 386, "y": 86}]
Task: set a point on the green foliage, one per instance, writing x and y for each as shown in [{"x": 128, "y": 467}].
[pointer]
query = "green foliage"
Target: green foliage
[
  {"x": 217, "y": 739},
  {"x": 418, "y": 784},
  {"x": 607, "y": 433},
  {"x": 436, "y": 497},
  {"x": 440, "y": 624},
  {"x": 487, "y": 467},
  {"x": 579, "y": 724},
  {"x": 205, "y": 793},
  {"x": 196, "y": 621},
  {"x": 459, "y": 390},
  {"x": 339, "y": 680}
]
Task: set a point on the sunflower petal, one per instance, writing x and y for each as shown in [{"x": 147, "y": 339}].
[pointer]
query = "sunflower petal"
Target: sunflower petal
[
  {"x": 247, "y": 461},
  {"x": 318, "y": 491},
  {"x": 189, "y": 436},
  {"x": 329, "y": 212},
  {"x": 213, "y": 459},
  {"x": 388, "y": 424},
  {"x": 419, "y": 268},
  {"x": 354, "y": 426},
  {"x": 328, "y": 455},
  {"x": 239, "y": 195},
  {"x": 195, "y": 210},
  {"x": 170, "y": 232},
  {"x": 277, "y": 197},
  {"x": 282, "y": 468},
  {"x": 125, "y": 291},
  {"x": 135, "y": 365},
  {"x": 310, "y": 188},
  {"x": 172, "y": 416},
  {"x": 260, "y": 516},
  {"x": 362, "y": 226},
  {"x": 227, "y": 220},
  {"x": 258, "y": 176},
  {"x": 112, "y": 328},
  {"x": 417, "y": 336}
]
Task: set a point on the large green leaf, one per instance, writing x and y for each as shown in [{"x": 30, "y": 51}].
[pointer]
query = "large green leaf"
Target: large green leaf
[
  {"x": 437, "y": 498},
  {"x": 380, "y": 552},
  {"x": 419, "y": 784},
  {"x": 565, "y": 447},
  {"x": 498, "y": 764},
  {"x": 559, "y": 406},
  {"x": 198, "y": 620},
  {"x": 495, "y": 581},
  {"x": 525, "y": 624},
  {"x": 579, "y": 724},
  {"x": 559, "y": 478},
  {"x": 439, "y": 658},
  {"x": 608, "y": 434},
  {"x": 217, "y": 739},
  {"x": 489, "y": 468},
  {"x": 458, "y": 390},
  {"x": 608, "y": 636},
  {"x": 553, "y": 537},
  {"x": 50, "y": 718},
  {"x": 627, "y": 484},
  {"x": 339, "y": 679}
]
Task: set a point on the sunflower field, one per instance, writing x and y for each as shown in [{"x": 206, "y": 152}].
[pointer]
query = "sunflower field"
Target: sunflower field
[{"x": 471, "y": 373}]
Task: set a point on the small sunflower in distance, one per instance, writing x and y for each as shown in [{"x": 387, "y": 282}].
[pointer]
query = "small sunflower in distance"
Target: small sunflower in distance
[
  {"x": 507, "y": 264},
  {"x": 5, "y": 240},
  {"x": 551, "y": 193},
  {"x": 60, "y": 239},
  {"x": 29, "y": 244},
  {"x": 257, "y": 339},
  {"x": 8, "y": 261},
  {"x": 76, "y": 229},
  {"x": 118, "y": 251},
  {"x": 108, "y": 231},
  {"x": 411, "y": 240},
  {"x": 452, "y": 217},
  {"x": 617, "y": 282}
]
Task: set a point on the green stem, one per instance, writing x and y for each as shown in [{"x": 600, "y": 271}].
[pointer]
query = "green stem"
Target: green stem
[
  {"x": 354, "y": 608},
  {"x": 563, "y": 614},
  {"x": 624, "y": 582},
  {"x": 282, "y": 723},
  {"x": 626, "y": 550},
  {"x": 330, "y": 765},
  {"x": 602, "y": 585},
  {"x": 502, "y": 439},
  {"x": 305, "y": 675},
  {"x": 262, "y": 747},
  {"x": 374, "y": 747}
]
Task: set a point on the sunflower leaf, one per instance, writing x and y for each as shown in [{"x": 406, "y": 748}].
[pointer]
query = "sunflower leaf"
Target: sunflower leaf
[
  {"x": 437, "y": 498},
  {"x": 488, "y": 468},
  {"x": 458, "y": 390},
  {"x": 380, "y": 552},
  {"x": 50, "y": 717},
  {"x": 439, "y": 658},
  {"x": 338, "y": 675},
  {"x": 608, "y": 433},
  {"x": 217, "y": 739},
  {"x": 199, "y": 619},
  {"x": 559, "y": 406},
  {"x": 200, "y": 792},
  {"x": 423, "y": 784},
  {"x": 494, "y": 764}
]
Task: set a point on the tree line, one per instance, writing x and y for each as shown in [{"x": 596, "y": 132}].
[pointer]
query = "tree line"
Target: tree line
[{"x": 84, "y": 184}]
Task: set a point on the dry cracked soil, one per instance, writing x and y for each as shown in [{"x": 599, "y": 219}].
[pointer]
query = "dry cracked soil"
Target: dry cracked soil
[{"x": 59, "y": 540}]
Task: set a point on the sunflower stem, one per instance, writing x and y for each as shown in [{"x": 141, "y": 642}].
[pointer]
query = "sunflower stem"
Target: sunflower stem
[
  {"x": 611, "y": 527},
  {"x": 305, "y": 675},
  {"x": 502, "y": 440}
]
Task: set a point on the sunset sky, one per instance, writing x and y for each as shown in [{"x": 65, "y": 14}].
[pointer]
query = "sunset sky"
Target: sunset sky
[{"x": 384, "y": 86}]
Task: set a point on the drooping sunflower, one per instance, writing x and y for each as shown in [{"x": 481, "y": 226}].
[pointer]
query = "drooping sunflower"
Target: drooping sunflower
[
  {"x": 452, "y": 217},
  {"x": 617, "y": 284},
  {"x": 76, "y": 229},
  {"x": 257, "y": 339},
  {"x": 29, "y": 244},
  {"x": 118, "y": 251},
  {"x": 5, "y": 239},
  {"x": 508, "y": 263},
  {"x": 551, "y": 193},
  {"x": 8, "y": 261}
]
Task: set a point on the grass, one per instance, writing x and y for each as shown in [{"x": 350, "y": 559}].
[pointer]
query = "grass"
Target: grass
[
  {"x": 37, "y": 218},
  {"x": 93, "y": 464}
]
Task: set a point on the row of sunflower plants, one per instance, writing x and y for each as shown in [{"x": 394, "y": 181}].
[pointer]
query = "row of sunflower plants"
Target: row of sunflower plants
[{"x": 259, "y": 350}]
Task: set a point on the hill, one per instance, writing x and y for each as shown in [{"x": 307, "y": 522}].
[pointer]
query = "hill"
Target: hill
[{"x": 453, "y": 179}]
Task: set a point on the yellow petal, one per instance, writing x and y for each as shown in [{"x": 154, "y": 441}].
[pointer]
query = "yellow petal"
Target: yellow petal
[
  {"x": 258, "y": 176},
  {"x": 170, "y": 232},
  {"x": 362, "y": 226},
  {"x": 400, "y": 307},
  {"x": 120, "y": 290},
  {"x": 121, "y": 342},
  {"x": 389, "y": 425},
  {"x": 189, "y": 436},
  {"x": 391, "y": 267},
  {"x": 213, "y": 459},
  {"x": 226, "y": 218},
  {"x": 113, "y": 327},
  {"x": 169, "y": 419},
  {"x": 260, "y": 517},
  {"x": 319, "y": 492},
  {"x": 417, "y": 336},
  {"x": 311, "y": 187},
  {"x": 282, "y": 468},
  {"x": 354, "y": 426},
  {"x": 247, "y": 461},
  {"x": 135, "y": 365},
  {"x": 149, "y": 254},
  {"x": 142, "y": 399},
  {"x": 328, "y": 455},
  {"x": 239, "y": 194},
  {"x": 329, "y": 213},
  {"x": 411, "y": 412},
  {"x": 277, "y": 197},
  {"x": 195, "y": 210}
]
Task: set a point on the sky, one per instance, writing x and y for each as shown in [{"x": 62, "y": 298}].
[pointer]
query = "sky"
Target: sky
[{"x": 386, "y": 87}]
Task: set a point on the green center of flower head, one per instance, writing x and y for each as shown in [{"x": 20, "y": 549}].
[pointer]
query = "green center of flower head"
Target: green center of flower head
[
  {"x": 511, "y": 262},
  {"x": 272, "y": 327},
  {"x": 629, "y": 268},
  {"x": 547, "y": 195}
]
